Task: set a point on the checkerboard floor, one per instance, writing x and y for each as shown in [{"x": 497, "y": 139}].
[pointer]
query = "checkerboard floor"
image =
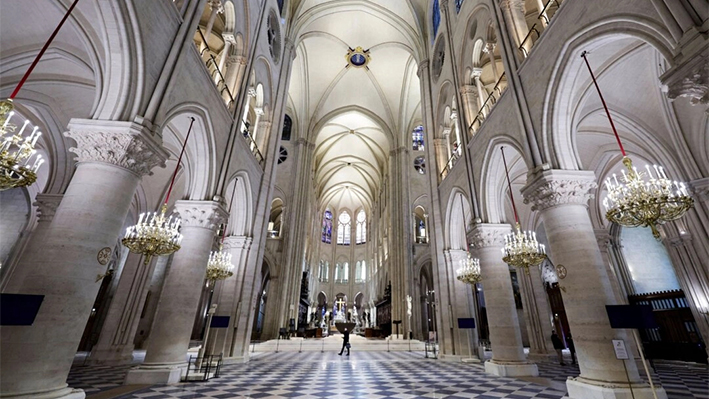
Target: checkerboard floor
[{"x": 375, "y": 375}]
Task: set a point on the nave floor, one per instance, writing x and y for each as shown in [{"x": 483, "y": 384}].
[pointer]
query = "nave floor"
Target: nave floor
[{"x": 375, "y": 375}]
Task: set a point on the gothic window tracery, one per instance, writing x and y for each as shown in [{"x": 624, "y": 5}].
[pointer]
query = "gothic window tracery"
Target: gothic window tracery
[
  {"x": 361, "y": 232},
  {"x": 344, "y": 229},
  {"x": 327, "y": 227}
]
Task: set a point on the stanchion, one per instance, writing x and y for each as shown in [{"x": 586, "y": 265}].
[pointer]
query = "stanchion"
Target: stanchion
[{"x": 301, "y": 347}]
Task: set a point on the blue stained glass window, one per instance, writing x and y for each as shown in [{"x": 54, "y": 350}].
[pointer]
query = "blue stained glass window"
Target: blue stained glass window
[
  {"x": 458, "y": 4},
  {"x": 436, "y": 18},
  {"x": 327, "y": 227},
  {"x": 417, "y": 138}
]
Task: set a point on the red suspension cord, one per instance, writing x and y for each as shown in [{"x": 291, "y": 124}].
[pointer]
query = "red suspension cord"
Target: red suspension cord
[
  {"x": 41, "y": 52},
  {"x": 583, "y": 55},
  {"x": 179, "y": 161},
  {"x": 509, "y": 185}
]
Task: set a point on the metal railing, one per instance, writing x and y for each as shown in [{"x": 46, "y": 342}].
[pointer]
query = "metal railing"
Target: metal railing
[
  {"x": 203, "y": 368},
  {"x": 449, "y": 165},
  {"x": 544, "y": 17},
  {"x": 489, "y": 103},
  {"x": 214, "y": 72},
  {"x": 251, "y": 143}
]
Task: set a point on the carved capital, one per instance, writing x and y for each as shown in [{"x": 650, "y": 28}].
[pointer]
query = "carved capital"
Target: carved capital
[
  {"x": 512, "y": 5},
  {"x": 700, "y": 188},
  {"x": 216, "y": 5},
  {"x": 47, "y": 205},
  {"x": 204, "y": 214},
  {"x": 423, "y": 66},
  {"x": 603, "y": 237},
  {"x": 229, "y": 38},
  {"x": 235, "y": 60},
  {"x": 468, "y": 90},
  {"x": 690, "y": 79},
  {"x": 489, "y": 47},
  {"x": 559, "y": 187},
  {"x": 477, "y": 72},
  {"x": 484, "y": 235},
  {"x": 125, "y": 144}
]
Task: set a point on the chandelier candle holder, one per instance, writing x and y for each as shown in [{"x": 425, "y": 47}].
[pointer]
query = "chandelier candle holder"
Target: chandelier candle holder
[
  {"x": 469, "y": 273},
  {"x": 155, "y": 234},
  {"x": 521, "y": 248},
  {"x": 639, "y": 199},
  {"x": 18, "y": 168},
  {"x": 219, "y": 266},
  {"x": 18, "y": 165}
]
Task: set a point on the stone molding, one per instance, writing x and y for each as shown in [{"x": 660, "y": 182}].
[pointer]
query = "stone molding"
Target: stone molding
[
  {"x": 423, "y": 65},
  {"x": 455, "y": 255},
  {"x": 484, "y": 235},
  {"x": 468, "y": 89},
  {"x": 603, "y": 238},
  {"x": 689, "y": 80},
  {"x": 555, "y": 187},
  {"x": 700, "y": 188},
  {"x": 204, "y": 214},
  {"x": 125, "y": 144},
  {"x": 237, "y": 242},
  {"x": 47, "y": 205}
]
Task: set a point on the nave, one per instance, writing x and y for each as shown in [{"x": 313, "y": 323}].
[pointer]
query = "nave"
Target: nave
[{"x": 371, "y": 375}]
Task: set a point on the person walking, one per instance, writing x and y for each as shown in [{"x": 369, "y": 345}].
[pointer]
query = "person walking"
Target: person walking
[
  {"x": 572, "y": 348},
  {"x": 345, "y": 342},
  {"x": 558, "y": 346}
]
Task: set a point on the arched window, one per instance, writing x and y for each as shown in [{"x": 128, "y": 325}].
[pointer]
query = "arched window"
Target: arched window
[
  {"x": 435, "y": 18},
  {"x": 324, "y": 273},
  {"x": 360, "y": 271},
  {"x": 417, "y": 138},
  {"x": 287, "y": 126},
  {"x": 458, "y": 4},
  {"x": 420, "y": 165},
  {"x": 327, "y": 227},
  {"x": 342, "y": 272},
  {"x": 344, "y": 229},
  {"x": 361, "y": 233}
]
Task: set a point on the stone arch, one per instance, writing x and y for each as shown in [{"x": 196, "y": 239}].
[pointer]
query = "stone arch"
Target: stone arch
[
  {"x": 458, "y": 217},
  {"x": 558, "y": 145},
  {"x": 493, "y": 185}
]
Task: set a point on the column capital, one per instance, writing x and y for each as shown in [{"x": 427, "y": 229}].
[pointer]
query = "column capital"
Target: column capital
[
  {"x": 484, "y": 235},
  {"x": 236, "y": 60},
  {"x": 251, "y": 92},
  {"x": 554, "y": 187},
  {"x": 47, "y": 206},
  {"x": 216, "y": 5},
  {"x": 468, "y": 89},
  {"x": 204, "y": 214},
  {"x": 229, "y": 38},
  {"x": 489, "y": 47},
  {"x": 423, "y": 65},
  {"x": 603, "y": 236},
  {"x": 477, "y": 72},
  {"x": 512, "y": 4},
  {"x": 455, "y": 255},
  {"x": 125, "y": 144},
  {"x": 689, "y": 79},
  {"x": 700, "y": 188}
]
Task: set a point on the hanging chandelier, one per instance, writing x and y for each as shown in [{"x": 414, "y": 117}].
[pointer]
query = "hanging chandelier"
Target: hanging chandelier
[
  {"x": 219, "y": 266},
  {"x": 18, "y": 166},
  {"x": 16, "y": 153},
  {"x": 155, "y": 234},
  {"x": 640, "y": 199},
  {"x": 469, "y": 273},
  {"x": 521, "y": 248}
]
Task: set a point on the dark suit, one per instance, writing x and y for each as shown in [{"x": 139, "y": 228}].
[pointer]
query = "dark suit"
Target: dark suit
[{"x": 345, "y": 341}]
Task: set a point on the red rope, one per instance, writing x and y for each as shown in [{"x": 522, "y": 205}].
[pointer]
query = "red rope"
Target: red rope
[
  {"x": 509, "y": 185},
  {"x": 617, "y": 137},
  {"x": 41, "y": 52},
  {"x": 179, "y": 161}
]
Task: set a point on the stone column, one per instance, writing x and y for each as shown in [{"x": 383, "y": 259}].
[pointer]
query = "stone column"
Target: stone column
[
  {"x": 228, "y": 296},
  {"x": 489, "y": 49},
  {"x": 508, "y": 357},
  {"x": 454, "y": 125},
  {"x": 112, "y": 157},
  {"x": 115, "y": 343},
  {"x": 482, "y": 93},
  {"x": 561, "y": 197},
  {"x": 537, "y": 313},
  {"x": 463, "y": 306},
  {"x": 235, "y": 67},
  {"x": 169, "y": 340},
  {"x": 514, "y": 14},
  {"x": 229, "y": 40},
  {"x": 264, "y": 127},
  {"x": 440, "y": 151},
  {"x": 449, "y": 153},
  {"x": 215, "y": 7},
  {"x": 469, "y": 93},
  {"x": 47, "y": 205}
]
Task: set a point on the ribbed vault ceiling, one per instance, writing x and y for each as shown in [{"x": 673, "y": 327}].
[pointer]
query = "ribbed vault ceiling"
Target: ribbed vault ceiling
[{"x": 354, "y": 115}]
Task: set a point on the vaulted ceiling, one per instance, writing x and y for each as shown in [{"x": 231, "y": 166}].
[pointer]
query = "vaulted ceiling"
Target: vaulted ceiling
[{"x": 355, "y": 115}]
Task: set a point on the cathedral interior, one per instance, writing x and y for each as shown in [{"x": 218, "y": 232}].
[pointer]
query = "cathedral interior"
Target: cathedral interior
[{"x": 199, "y": 197}]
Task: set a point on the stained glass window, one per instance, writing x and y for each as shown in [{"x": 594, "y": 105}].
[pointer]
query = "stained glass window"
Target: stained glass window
[
  {"x": 435, "y": 18},
  {"x": 458, "y": 4},
  {"x": 417, "y": 138},
  {"x": 344, "y": 229},
  {"x": 420, "y": 165},
  {"x": 327, "y": 227},
  {"x": 361, "y": 233}
]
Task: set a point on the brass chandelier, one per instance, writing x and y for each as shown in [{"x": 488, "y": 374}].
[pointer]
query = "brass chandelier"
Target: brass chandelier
[
  {"x": 521, "y": 248},
  {"x": 16, "y": 152},
  {"x": 155, "y": 234},
  {"x": 469, "y": 273},
  {"x": 633, "y": 201},
  {"x": 219, "y": 266}
]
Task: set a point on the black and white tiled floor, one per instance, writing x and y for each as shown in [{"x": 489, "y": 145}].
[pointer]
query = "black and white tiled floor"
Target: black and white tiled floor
[{"x": 375, "y": 375}]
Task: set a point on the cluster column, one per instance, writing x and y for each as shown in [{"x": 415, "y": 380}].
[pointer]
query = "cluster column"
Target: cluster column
[
  {"x": 112, "y": 157},
  {"x": 508, "y": 357},
  {"x": 465, "y": 307},
  {"x": 169, "y": 339},
  {"x": 561, "y": 197}
]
